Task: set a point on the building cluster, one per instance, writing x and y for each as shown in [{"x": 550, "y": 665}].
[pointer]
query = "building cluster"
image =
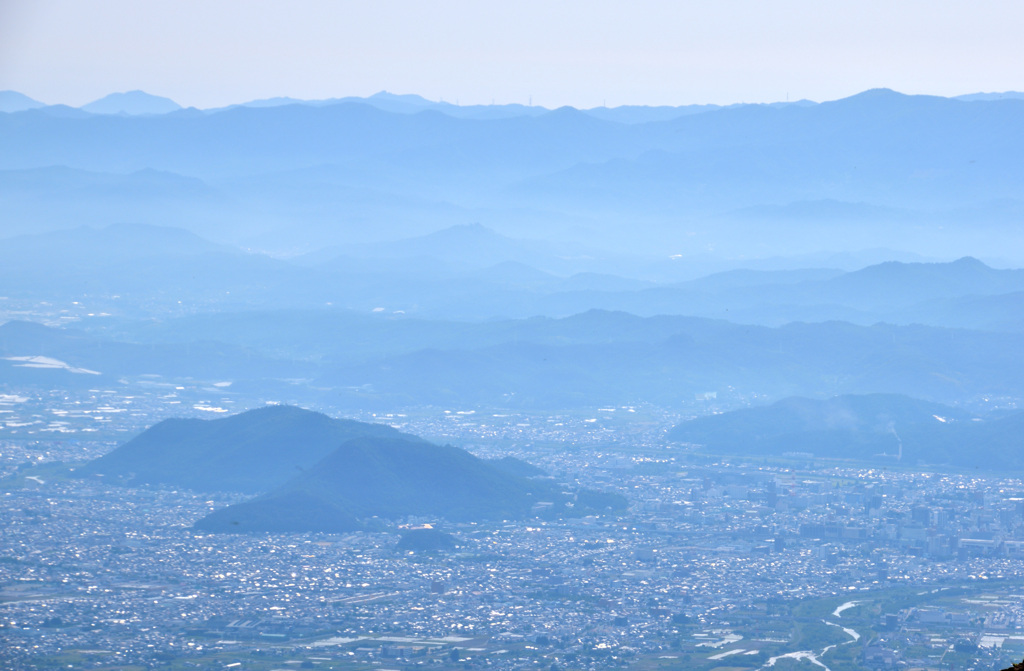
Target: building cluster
[{"x": 717, "y": 559}]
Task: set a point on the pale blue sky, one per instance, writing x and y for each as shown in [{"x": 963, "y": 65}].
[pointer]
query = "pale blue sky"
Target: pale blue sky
[{"x": 574, "y": 52}]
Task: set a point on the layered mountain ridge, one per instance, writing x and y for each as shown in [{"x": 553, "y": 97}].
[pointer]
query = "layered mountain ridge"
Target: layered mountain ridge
[{"x": 288, "y": 177}]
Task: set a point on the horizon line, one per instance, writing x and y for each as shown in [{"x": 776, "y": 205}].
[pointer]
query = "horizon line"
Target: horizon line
[{"x": 441, "y": 102}]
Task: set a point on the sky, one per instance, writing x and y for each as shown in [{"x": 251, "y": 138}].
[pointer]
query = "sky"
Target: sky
[{"x": 584, "y": 53}]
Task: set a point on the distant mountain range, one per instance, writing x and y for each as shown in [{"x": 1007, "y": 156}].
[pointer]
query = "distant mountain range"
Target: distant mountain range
[
  {"x": 594, "y": 359},
  {"x": 179, "y": 307},
  {"x": 703, "y": 355},
  {"x": 324, "y": 474},
  {"x": 426, "y": 321},
  {"x": 140, "y": 102},
  {"x": 220, "y": 310},
  {"x": 934, "y": 176},
  {"x": 471, "y": 272},
  {"x": 111, "y": 360},
  {"x": 877, "y": 428}
]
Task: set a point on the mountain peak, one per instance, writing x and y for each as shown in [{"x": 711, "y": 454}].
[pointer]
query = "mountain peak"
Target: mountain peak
[
  {"x": 131, "y": 103},
  {"x": 408, "y": 98},
  {"x": 969, "y": 262},
  {"x": 876, "y": 94},
  {"x": 248, "y": 452},
  {"x": 12, "y": 101},
  {"x": 393, "y": 477}
]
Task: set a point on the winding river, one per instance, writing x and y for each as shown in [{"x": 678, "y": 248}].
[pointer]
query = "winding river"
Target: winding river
[{"x": 812, "y": 656}]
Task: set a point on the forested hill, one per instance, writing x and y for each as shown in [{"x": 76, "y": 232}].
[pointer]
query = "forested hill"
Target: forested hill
[
  {"x": 887, "y": 428},
  {"x": 249, "y": 452}
]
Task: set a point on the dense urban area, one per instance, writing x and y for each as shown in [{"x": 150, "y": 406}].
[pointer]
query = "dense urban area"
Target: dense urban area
[
  {"x": 327, "y": 362},
  {"x": 721, "y": 563}
]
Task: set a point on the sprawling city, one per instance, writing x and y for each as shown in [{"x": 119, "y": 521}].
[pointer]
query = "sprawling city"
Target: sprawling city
[
  {"x": 719, "y": 563},
  {"x": 511, "y": 336}
]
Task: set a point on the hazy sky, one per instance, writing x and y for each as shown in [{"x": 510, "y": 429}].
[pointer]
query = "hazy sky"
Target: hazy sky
[{"x": 561, "y": 52}]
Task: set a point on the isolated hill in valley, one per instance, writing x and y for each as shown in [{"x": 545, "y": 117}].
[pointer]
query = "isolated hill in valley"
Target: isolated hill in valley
[
  {"x": 867, "y": 427},
  {"x": 315, "y": 473},
  {"x": 250, "y": 452},
  {"x": 391, "y": 478}
]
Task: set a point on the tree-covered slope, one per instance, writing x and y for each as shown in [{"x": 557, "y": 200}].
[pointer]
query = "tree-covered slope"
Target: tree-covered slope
[
  {"x": 864, "y": 427},
  {"x": 397, "y": 477},
  {"x": 250, "y": 452}
]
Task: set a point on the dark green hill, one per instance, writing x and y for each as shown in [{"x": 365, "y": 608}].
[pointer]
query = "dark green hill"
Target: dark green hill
[
  {"x": 250, "y": 452},
  {"x": 868, "y": 427},
  {"x": 396, "y": 477}
]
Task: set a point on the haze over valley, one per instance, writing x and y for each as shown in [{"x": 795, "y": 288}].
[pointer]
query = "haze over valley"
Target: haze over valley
[
  {"x": 921, "y": 174},
  {"x": 386, "y": 382}
]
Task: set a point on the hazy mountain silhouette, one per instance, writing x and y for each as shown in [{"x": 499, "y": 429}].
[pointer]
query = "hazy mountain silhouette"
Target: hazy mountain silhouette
[
  {"x": 12, "y": 101},
  {"x": 407, "y": 104},
  {"x": 591, "y": 358},
  {"x": 905, "y": 284},
  {"x": 101, "y": 245},
  {"x": 807, "y": 359},
  {"x": 412, "y": 104},
  {"x": 131, "y": 103},
  {"x": 1006, "y": 95},
  {"x": 1003, "y": 312},
  {"x": 819, "y": 174},
  {"x": 876, "y": 293},
  {"x": 335, "y": 333},
  {"x": 124, "y": 266},
  {"x": 202, "y": 360},
  {"x": 467, "y": 245},
  {"x": 69, "y": 198}
]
